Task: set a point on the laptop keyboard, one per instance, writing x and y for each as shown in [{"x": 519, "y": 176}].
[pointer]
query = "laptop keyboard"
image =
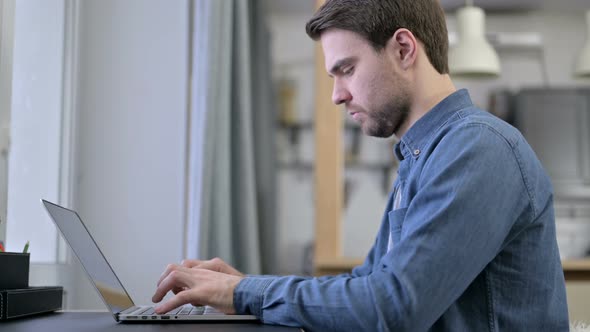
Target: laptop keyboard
[
  {"x": 180, "y": 311},
  {"x": 187, "y": 310}
]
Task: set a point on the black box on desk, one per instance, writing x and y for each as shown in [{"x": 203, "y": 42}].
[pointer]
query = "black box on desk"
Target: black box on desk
[
  {"x": 14, "y": 270},
  {"x": 16, "y": 303}
]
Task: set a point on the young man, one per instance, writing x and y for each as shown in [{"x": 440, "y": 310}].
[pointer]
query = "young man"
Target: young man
[{"x": 467, "y": 241}]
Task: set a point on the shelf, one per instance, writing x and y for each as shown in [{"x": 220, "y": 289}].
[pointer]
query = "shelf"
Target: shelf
[
  {"x": 568, "y": 192},
  {"x": 337, "y": 265},
  {"x": 573, "y": 269},
  {"x": 576, "y": 269},
  {"x": 576, "y": 264},
  {"x": 372, "y": 166}
]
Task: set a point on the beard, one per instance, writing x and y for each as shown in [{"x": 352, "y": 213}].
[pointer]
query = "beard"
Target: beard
[
  {"x": 386, "y": 119},
  {"x": 392, "y": 101}
]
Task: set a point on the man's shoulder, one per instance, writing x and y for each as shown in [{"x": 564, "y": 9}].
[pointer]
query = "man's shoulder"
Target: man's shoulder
[{"x": 485, "y": 124}]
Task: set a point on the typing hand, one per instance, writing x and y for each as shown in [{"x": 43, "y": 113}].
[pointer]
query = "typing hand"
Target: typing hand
[
  {"x": 196, "y": 286},
  {"x": 215, "y": 264}
]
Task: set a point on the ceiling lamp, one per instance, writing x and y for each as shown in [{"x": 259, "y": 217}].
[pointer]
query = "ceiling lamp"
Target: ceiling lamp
[
  {"x": 583, "y": 63},
  {"x": 473, "y": 55}
]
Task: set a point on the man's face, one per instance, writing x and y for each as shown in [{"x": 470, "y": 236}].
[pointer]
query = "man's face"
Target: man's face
[{"x": 367, "y": 82}]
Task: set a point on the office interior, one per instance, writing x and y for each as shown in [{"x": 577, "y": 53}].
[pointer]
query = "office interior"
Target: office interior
[{"x": 104, "y": 108}]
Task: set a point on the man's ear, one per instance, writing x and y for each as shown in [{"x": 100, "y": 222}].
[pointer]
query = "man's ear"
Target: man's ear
[{"x": 405, "y": 47}]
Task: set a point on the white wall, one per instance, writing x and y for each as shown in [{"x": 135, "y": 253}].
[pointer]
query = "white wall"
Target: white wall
[
  {"x": 35, "y": 126},
  {"x": 132, "y": 102},
  {"x": 129, "y": 90},
  {"x": 33, "y": 94},
  {"x": 6, "y": 48},
  {"x": 292, "y": 54}
]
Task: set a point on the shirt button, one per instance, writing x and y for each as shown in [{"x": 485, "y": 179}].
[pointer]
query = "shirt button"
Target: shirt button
[{"x": 416, "y": 152}]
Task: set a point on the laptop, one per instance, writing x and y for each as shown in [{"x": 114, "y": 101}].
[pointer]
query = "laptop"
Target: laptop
[{"x": 107, "y": 283}]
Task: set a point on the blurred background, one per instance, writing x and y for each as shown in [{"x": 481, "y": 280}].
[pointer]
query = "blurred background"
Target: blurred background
[{"x": 189, "y": 128}]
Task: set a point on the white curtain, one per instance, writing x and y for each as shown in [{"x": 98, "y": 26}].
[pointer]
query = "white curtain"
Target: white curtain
[{"x": 231, "y": 173}]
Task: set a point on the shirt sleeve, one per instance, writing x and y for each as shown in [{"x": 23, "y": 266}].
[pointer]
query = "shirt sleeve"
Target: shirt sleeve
[{"x": 470, "y": 192}]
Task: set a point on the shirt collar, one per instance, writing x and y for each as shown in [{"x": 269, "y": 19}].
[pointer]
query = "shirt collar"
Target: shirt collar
[{"x": 418, "y": 135}]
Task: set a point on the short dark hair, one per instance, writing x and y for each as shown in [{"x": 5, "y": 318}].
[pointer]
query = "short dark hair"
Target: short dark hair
[{"x": 378, "y": 20}]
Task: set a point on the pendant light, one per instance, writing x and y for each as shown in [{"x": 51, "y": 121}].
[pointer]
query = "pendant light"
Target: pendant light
[
  {"x": 583, "y": 63},
  {"x": 473, "y": 55}
]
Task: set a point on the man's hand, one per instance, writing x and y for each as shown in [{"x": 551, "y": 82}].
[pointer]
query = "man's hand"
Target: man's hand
[
  {"x": 201, "y": 284},
  {"x": 215, "y": 264}
]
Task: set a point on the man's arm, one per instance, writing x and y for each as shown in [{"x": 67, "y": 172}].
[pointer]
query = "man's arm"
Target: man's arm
[
  {"x": 456, "y": 224},
  {"x": 183, "y": 280}
]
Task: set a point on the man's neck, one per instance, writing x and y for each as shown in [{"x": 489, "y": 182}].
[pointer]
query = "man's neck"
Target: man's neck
[{"x": 427, "y": 94}]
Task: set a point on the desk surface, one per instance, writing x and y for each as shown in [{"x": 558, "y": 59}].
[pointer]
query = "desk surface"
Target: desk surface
[{"x": 101, "y": 321}]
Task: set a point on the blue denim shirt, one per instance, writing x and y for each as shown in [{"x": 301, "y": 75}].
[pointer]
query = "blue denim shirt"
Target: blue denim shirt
[{"x": 467, "y": 242}]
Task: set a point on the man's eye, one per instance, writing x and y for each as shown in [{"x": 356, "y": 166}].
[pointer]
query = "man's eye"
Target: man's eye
[{"x": 347, "y": 71}]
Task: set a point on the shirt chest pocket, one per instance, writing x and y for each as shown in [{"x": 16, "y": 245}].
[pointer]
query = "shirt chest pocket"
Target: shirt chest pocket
[{"x": 396, "y": 221}]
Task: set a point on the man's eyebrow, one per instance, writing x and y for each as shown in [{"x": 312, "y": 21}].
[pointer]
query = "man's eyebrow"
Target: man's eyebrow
[{"x": 337, "y": 67}]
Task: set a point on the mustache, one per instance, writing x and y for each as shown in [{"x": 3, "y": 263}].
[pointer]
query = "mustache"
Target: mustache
[{"x": 354, "y": 109}]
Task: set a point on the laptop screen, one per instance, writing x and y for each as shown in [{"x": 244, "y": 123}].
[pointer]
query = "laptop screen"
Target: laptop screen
[{"x": 98, "y": 269}]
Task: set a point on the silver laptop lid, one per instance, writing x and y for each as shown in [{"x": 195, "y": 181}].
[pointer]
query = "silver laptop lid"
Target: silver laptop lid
[{"x": 98, "y": 269}]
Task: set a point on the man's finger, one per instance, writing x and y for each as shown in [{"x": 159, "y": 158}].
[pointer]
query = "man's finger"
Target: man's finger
[
  {"x": 207, "y": 265},
  {"x": 177, "y": 290},
  {"x": 218, "y": 265},
  {"x": 176, "y": 279},
  {"x": 175, "y": 302},
  {"x": 190, "y": 263},
  {"x": 169, "y": 268}
]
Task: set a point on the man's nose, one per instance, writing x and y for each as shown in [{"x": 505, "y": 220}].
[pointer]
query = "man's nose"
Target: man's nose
[{"x": 340, "y": 95}]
